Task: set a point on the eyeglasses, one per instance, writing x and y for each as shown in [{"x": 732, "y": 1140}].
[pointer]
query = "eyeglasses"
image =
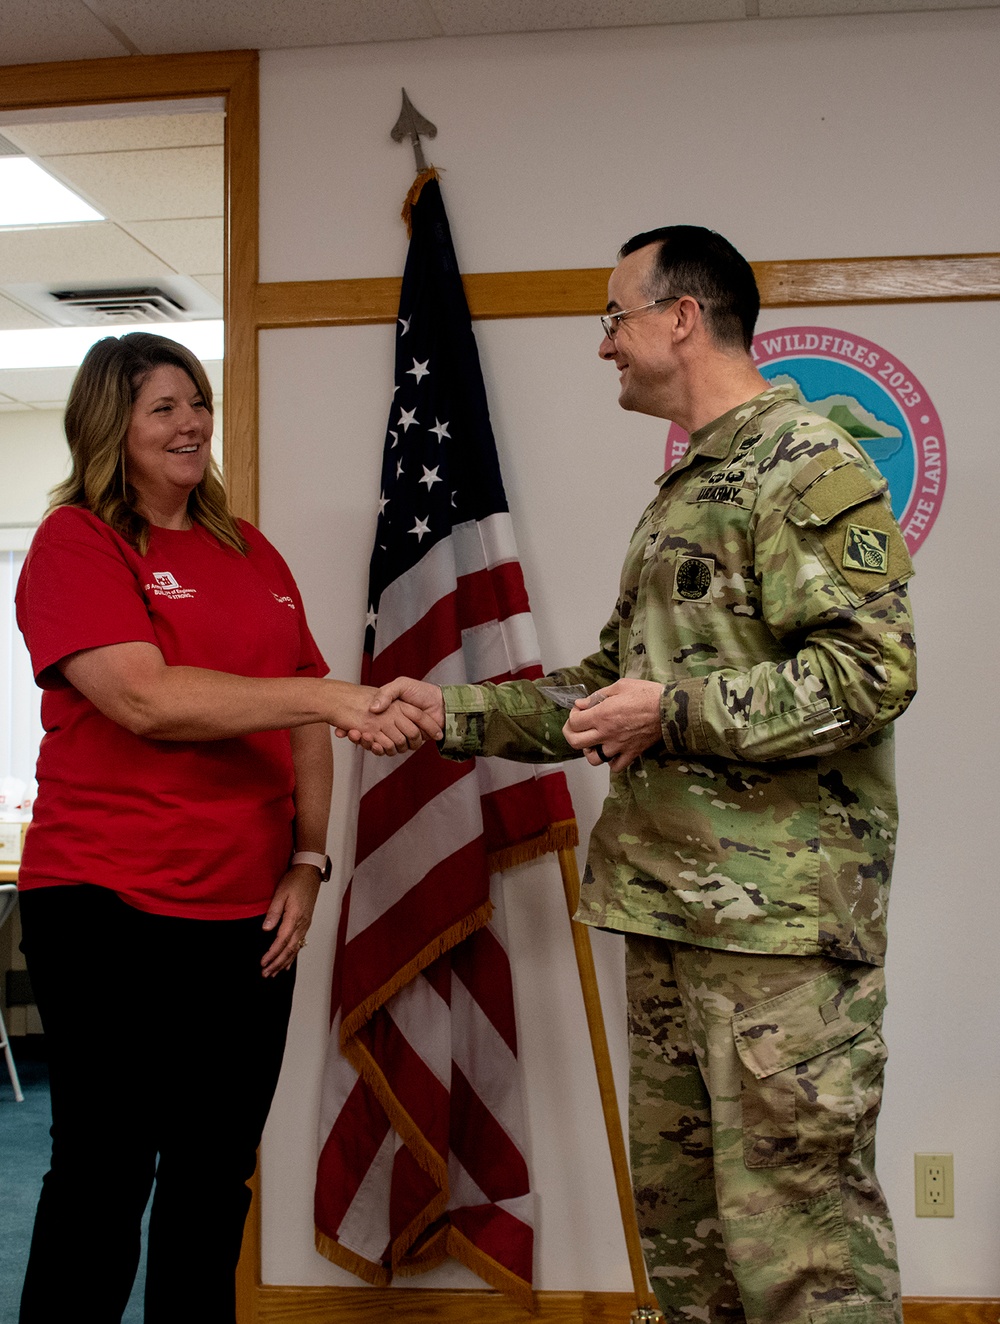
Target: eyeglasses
[{"x": 612, "y": 321}]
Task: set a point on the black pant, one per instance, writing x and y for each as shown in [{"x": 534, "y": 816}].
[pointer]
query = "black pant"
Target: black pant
[{"x": 164, "y": 1045}]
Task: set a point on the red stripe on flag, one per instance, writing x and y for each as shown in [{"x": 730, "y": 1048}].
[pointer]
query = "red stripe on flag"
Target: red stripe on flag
[
  {"x": 438, "y": 975},
  {"x": 484, "y": 968},
  {"x": 492, "y": 595},
  {"x": 443, "y": 899},
  {"x": 420, "y": 1094},
  {"x": 354, "y": 1140},
  {"x": 409, "y": 786},
  {"x": 532, "y": 671},
  {"x": 474, "y": 601},
  {"x": 513, "y": 813},
  {"x": 498, "y": 1234},
  {"x": 482, "y": 1146},
  {"x": 413, "y": 1192}
]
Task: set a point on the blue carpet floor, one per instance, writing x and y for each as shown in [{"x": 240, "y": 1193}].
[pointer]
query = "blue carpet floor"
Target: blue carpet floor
[{"x": 24, "y": 1159}]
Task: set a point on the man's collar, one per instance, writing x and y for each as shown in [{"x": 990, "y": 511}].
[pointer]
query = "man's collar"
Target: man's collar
[{"x": 716, "y": 438}]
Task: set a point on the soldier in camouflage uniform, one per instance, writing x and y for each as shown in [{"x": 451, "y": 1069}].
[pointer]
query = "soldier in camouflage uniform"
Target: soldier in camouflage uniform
[{"x": 759, "y": 651}]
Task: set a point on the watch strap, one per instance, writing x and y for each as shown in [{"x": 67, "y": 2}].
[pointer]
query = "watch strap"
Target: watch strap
[{"x": 321, "y": 862}]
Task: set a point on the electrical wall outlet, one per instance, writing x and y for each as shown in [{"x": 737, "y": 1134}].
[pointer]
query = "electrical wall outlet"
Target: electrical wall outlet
[{"x": 935, "y": 1185}]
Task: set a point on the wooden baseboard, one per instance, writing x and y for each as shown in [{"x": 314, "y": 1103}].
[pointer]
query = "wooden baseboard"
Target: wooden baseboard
[
  {"x": 951, "y": 1310},
  {"x": 361, "y": 1305}
]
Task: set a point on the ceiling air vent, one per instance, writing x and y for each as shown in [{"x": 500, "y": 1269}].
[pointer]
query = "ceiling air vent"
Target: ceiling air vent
[{"x": 143, "y": 304}]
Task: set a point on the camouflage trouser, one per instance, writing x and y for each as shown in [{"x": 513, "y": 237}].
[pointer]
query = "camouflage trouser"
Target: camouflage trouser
[{"x": 755, "y": 1084}]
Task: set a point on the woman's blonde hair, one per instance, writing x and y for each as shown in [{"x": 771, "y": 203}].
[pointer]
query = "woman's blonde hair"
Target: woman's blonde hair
[{"x": 97, "y": 419}]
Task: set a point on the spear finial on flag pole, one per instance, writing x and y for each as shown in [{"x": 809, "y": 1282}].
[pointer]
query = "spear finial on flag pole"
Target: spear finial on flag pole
[{"x": 411, "y": 124}]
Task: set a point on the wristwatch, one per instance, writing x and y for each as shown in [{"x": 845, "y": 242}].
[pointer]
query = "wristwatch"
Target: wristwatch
[{"x": 321, "y": 862}]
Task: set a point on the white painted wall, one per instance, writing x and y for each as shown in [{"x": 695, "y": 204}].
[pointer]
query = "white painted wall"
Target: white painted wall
[
  {"x": 804, "y": 138},
  {"x": 33, "y": 458}
]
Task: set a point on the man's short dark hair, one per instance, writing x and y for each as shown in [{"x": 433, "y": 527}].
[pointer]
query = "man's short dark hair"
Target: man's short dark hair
[{"x": 696, "y": 261}]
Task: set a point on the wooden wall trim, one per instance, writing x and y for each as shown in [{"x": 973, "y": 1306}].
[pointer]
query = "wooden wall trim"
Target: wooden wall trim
[
  {"x": 240, "y": 365},
  {"x": 948, "y": 278},
  {"x": 124, "y": 78},
  {"x": 358, "y": 1305},
  {"x": 571, "y": 293}
]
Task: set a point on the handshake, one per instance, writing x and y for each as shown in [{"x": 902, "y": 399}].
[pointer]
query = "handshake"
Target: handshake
[
  {"x": 613, "y": 725},
  {"x": 398, "y": 717}
]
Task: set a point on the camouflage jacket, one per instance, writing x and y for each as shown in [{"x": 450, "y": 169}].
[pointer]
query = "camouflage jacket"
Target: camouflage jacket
[{"x": 764, "y": 588}]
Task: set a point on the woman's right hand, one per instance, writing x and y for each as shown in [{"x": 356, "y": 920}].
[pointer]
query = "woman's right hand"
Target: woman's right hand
[{"x": 398, "y": 726}]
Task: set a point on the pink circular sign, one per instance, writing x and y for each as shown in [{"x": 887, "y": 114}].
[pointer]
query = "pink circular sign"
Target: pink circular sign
[{"x": 874, "y": 397}]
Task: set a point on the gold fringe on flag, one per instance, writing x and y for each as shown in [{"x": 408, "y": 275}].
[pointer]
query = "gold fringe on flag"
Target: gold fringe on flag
[
  {"x": 444, "y": 942},
  {"x": 347, "y": 1259},
  {"x": 557, "y": 836},
  {"x": 416, "y": 188}
]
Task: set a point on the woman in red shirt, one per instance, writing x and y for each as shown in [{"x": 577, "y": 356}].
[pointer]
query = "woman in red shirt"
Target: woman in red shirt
[{"x": 178, "y": 840}]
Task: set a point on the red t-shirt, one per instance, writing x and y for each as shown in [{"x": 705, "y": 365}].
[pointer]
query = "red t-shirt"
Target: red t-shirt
[{"x": 191, "y": 828}]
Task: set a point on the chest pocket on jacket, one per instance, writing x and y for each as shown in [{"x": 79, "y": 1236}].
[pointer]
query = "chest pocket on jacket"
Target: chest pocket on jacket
[{"x": 845, "y": 511}]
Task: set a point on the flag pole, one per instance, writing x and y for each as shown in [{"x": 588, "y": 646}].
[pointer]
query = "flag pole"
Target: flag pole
[{"x": 647, "y": 1311}]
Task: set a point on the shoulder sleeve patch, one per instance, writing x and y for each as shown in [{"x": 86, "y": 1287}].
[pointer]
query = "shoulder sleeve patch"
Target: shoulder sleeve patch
[{"x": 866, "y": 550}]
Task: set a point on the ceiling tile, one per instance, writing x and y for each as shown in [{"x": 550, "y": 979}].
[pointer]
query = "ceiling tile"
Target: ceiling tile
[
  {"x": 8, "y": 406},
  {"x": 42, "y": 30},
  {"x": 468, "y": 17},
  {"x": 187, "y": 245},
  {"x": 68, "y": 253},
  {"x": 150, "y": 185},
  {"x": 15, "y": 318},
  {"x": 37, "y": 386},
  {"x": 215, "y": 286},
  {"x": 31, "y": 32},
  {"x": 193, "y": 25},
  {"x": 386, "y": 20},
  {"x": 122, "y": 134}
]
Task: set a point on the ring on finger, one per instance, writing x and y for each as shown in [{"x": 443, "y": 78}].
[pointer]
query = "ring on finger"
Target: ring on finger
[{"x": 599, "y": 751}]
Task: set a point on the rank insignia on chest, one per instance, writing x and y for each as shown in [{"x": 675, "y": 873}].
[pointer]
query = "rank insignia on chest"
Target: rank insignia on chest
[
  {"x": 866, "y": 549},
  {"x": 731, "y": 486},
  {"x": 693, "y": 578}
]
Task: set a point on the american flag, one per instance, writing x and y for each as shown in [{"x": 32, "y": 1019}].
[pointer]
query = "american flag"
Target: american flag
[{"x": 421, "y": 1132}]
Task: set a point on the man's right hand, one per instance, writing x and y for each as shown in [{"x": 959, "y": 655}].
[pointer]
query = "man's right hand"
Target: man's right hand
[{"x": 417, "y": 694}]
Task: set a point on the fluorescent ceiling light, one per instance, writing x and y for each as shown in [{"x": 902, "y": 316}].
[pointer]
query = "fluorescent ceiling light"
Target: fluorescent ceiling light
[
  {"x": 65, "y": 346},
  {"x": 29, "y": 195}
]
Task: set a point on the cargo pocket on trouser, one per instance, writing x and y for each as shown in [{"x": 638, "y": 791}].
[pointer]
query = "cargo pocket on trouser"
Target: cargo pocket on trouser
[
  {"x": 811, "y": 1066},
  {"x": 812, "y": 1063}
]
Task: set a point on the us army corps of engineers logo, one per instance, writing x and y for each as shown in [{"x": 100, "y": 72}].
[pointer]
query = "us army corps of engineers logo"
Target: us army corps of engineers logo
[{"x": 878, "y": 401}]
